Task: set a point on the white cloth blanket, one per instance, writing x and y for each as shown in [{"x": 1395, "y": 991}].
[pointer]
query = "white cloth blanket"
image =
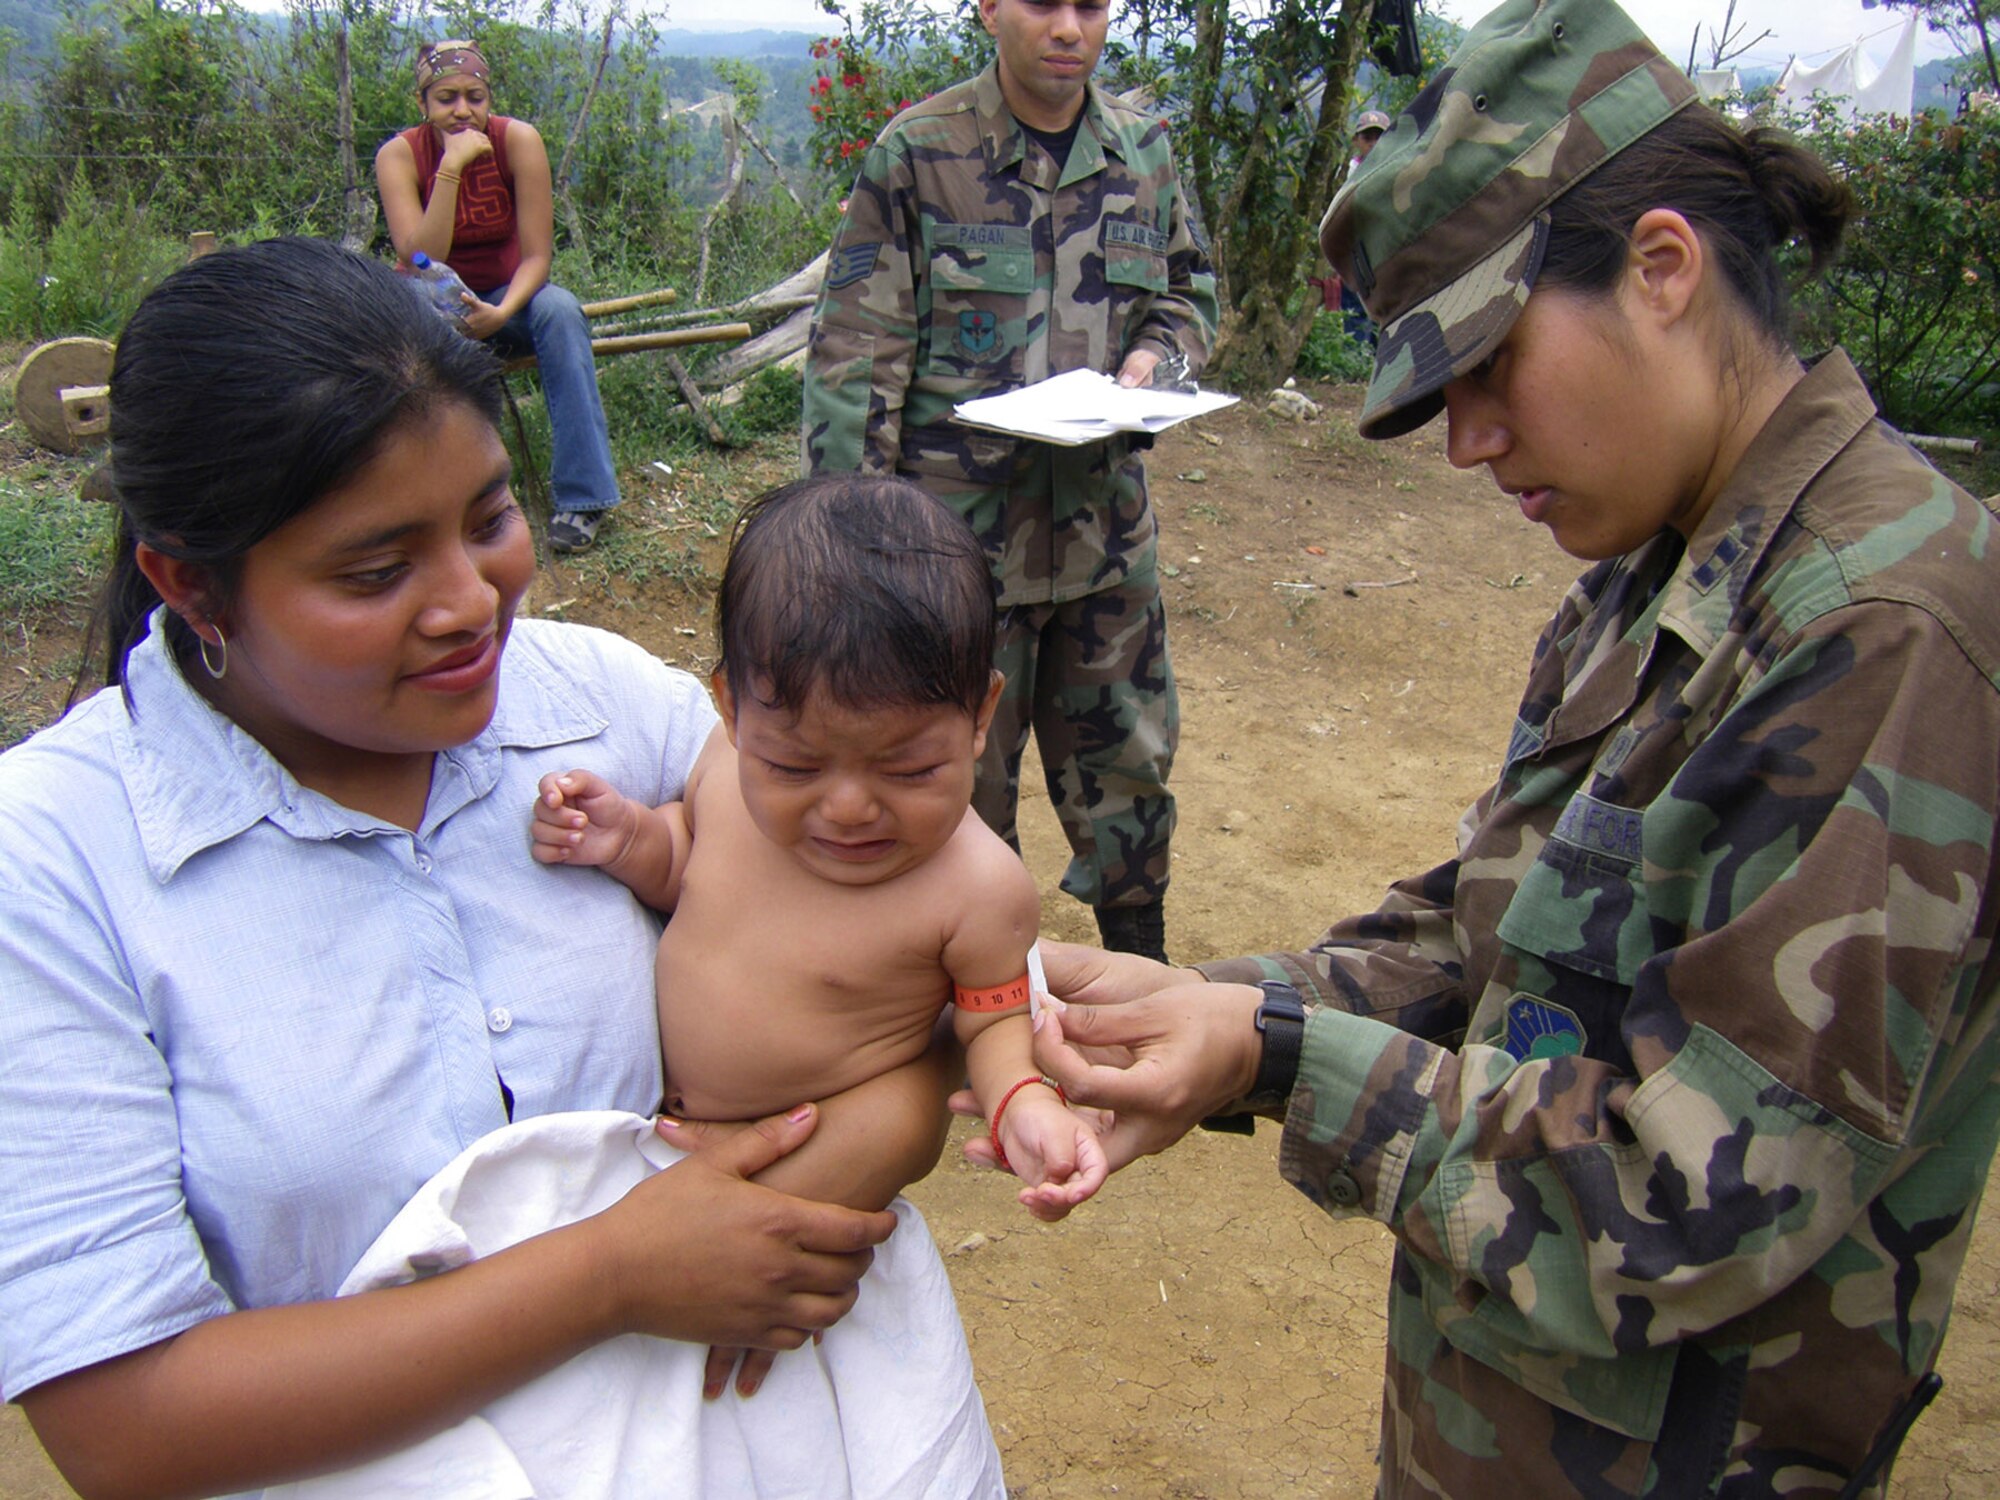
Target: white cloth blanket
[{"x": 883, "y": 1408}]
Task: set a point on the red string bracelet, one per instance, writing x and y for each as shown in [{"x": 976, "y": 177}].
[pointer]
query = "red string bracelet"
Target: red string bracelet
[{"x": 993, "y": 1126}]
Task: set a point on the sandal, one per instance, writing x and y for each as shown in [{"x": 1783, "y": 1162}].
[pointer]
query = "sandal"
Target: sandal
[{"x": 573, "y": 530}]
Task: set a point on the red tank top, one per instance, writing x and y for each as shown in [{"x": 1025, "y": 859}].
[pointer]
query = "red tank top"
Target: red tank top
[{"x": 485, "y": 242}]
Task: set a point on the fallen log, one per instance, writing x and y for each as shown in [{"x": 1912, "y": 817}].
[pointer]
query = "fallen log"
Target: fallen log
[
  {"x": 1945, "y": 444},
  {"x": 627, "y": 304},
  {"x": 768, "y": 348},
  {"x": 635, "y": 343},
  {"x": 730, "y": 395}
]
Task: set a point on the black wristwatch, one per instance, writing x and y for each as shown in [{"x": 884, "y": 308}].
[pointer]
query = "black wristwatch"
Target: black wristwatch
[{"x": 1281, "y": 1019}]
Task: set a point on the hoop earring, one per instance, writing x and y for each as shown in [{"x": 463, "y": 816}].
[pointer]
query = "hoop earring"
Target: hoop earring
[{"x": 216, "y": 669}]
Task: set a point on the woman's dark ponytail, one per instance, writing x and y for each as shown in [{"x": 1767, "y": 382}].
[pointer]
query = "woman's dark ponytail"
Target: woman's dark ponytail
[
  {"x": 1808, "y": 204},
  {"x": 1748, "y": 193}
]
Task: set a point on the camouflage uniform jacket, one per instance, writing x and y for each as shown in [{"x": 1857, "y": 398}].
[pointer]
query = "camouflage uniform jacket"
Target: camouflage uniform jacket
[
  {"x": 970, "y": 262},
  {"x": 1702, "y": 1167}
]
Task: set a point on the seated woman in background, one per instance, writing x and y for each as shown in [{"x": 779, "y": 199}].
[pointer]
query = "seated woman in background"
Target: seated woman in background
[{"x": 471, "y": 190}]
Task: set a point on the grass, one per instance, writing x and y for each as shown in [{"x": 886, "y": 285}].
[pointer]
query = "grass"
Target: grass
[
  {"x": 673, "y": 528},
  {"x": 52, "y": 549},
  {"x": 1979, "y": 473}
]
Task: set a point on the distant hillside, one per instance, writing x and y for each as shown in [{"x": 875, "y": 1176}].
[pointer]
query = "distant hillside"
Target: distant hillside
[
  {"x": 34, "y": 21},
  {"x": 681, "y": 42}
]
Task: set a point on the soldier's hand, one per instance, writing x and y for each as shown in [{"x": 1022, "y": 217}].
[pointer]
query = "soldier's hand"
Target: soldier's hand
[
  {"x": 1138, "y": 368},
  {"x": 1188, "y": 1052}
]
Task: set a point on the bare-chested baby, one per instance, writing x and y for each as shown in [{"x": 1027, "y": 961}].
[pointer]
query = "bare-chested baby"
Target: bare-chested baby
[{"x": 831, "y": 889}]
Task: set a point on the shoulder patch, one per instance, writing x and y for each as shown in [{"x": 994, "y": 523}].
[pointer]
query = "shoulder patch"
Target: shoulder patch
[
  {"x": 1536, "y": 1030},
  {"x": 852, "y": 263}
]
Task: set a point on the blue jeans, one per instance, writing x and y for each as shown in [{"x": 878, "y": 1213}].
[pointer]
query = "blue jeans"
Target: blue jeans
[{"x": 552, "y": 327}]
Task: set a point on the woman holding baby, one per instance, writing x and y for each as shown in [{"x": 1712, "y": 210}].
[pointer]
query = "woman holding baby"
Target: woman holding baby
[{"x": 274, "y": 951}]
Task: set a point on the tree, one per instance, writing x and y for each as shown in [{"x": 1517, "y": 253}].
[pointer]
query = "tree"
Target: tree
[
  {"x": 892, "y": 53},
  {"x": 1264, "y": 102},
  {"x": 1725, "y": 44}
]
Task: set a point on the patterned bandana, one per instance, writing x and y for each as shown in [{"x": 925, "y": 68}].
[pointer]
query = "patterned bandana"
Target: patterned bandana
[{"x": 443, "y": 59}]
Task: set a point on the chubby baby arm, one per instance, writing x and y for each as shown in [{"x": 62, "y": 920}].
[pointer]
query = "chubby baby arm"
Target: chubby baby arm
[
  {"x": 873, "y": 1140},
  {"x": 1040, "y": 1139},
  {"x": 581, "y": 819},
  {"x": 1052, "y": 1149}
]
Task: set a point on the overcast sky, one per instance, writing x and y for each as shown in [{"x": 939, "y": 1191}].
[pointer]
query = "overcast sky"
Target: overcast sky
[{"x": 1810, "y": 28}]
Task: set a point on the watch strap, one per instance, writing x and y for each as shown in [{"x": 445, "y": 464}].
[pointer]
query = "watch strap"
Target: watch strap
[{"x": 1281, "y": 1022}]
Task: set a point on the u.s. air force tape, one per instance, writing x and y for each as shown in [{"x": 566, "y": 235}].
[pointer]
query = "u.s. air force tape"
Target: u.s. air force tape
[{"x": 1001, "y": 997}]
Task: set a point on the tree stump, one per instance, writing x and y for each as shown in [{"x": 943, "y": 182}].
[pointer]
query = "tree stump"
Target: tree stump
[{"x": 44, "y": 375}]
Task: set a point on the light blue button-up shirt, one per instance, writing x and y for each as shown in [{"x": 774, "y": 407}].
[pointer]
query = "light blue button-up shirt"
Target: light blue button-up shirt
[{"x": 240, "y": 1024}]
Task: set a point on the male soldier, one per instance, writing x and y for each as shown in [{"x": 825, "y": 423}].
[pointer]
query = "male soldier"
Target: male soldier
[{"x": 1014, "y": 227}]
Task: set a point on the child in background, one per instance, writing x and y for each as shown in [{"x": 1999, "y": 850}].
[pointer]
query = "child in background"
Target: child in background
[{"x": 840, "y": 892}]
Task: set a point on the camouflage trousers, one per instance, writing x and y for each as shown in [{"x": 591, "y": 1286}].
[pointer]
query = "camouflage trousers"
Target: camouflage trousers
[{"x": 1091, "y": 678}]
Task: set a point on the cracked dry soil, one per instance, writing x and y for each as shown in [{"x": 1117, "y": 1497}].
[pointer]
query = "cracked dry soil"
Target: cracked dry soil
[{"x": 1351, "y": 625}]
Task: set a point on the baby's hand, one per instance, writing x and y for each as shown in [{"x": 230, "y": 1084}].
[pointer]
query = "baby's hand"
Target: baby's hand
[
  {"x": 581, "y": 819},
  {"x": 1053, "y": 1150}
]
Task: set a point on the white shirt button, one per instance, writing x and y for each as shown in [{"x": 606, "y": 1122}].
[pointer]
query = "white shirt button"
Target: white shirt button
[
  {"x": 423, "y": 864},
  {"x": 499, "y": 1019}
]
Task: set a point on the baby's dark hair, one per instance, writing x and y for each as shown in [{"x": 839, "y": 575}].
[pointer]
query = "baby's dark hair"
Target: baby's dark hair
[{"x": 862, "y": 586}]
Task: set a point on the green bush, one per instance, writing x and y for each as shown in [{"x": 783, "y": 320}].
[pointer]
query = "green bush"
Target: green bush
[
  {"x": 1915, "y": 295},
  {"x": 1330, "y": 353},
  {"x": 86, "y": 277}
]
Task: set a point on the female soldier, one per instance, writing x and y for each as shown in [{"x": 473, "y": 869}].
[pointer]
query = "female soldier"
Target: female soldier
[
  {"x": 471, "y": 189},
  {"x": 1676, "y": 1085},
  {"x": 272, "y": 948}
]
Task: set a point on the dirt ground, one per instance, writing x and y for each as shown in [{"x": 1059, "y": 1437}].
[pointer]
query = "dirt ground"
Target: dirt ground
[{"x": 1351, "y": 625}]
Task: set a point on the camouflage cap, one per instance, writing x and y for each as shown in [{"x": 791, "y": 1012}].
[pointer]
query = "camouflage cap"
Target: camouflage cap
[{"x": 1441, "y": 231}]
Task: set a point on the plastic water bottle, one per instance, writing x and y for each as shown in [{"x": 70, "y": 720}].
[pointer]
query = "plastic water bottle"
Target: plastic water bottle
[{"x": 441, "y": 287}]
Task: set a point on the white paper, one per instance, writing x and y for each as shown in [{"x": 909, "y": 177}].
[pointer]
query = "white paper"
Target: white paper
[{"x": 1085, "y": 406}]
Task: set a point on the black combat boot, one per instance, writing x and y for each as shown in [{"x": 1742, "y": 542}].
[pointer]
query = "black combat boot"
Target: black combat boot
[{"x": 1135, "y": 929}]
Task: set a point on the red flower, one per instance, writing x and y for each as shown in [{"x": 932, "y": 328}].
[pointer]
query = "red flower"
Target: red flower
[
  {"x": 851, "y": 80},
  {"x": 816, "y": 111},
  {"x": 824, "y": 86},
  {"x": 846, "y": 148},
  {"x": 905, "y": 104}
]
